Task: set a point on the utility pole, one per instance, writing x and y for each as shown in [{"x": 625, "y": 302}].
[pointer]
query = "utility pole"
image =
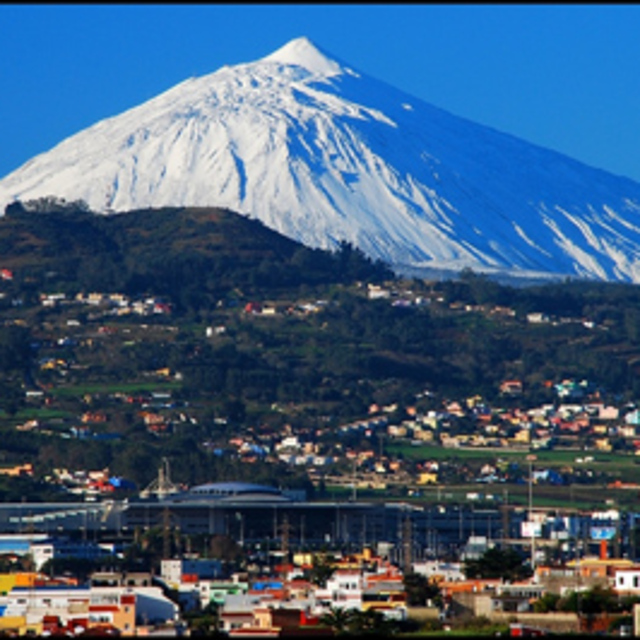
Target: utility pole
[
  {"x": 162, "y": 485},
  {"x": 166, "y": 539},
  {"x": 285, "y": 530},
  {"x": 178, "y": 541},
  {"x": 275, "y": 524},
  {"x": 579, "y": 587},
  {"x": 505, "y": 516},
  {"x": 531, "y": 458},
  {"x": 353, "y": 486},
  {"x": 407, "y": 546},
  {"x": 364, "y": 531},
  {"x": 240, "y": 520}
]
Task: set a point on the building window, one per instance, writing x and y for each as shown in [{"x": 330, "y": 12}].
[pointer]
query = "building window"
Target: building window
[{"x": 635, "y": 581}]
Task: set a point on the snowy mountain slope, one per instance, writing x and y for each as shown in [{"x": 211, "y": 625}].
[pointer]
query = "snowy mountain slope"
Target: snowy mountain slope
[{"x": 323, "y": 153}]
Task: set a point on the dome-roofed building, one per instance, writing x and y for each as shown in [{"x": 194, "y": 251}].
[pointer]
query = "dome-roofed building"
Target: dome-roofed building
[{"x": 230, "y": 491}]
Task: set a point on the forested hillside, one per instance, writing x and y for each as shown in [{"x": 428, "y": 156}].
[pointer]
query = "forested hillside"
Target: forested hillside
[
  {"x": 256, "y": 333},
  {"x": 193, "y": 255}
]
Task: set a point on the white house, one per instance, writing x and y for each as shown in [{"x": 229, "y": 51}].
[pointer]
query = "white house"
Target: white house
[
  {"x": 449, "y": 571},
  {"x": 71, "y": 603},
  {"x": 343, "y": 590},
  {"x": 50, "y": 548},
  {"x": 627, "y": 581}
]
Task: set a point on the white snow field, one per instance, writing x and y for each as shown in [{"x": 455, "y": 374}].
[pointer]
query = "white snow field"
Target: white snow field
[{"x": 322, "y": 153}]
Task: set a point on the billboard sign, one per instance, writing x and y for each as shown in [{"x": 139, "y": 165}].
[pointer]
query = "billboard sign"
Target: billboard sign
[{"x": 603, "y": 533}]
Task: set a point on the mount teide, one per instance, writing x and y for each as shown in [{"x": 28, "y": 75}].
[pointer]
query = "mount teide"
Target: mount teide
[{"x": 322, "y": 153}]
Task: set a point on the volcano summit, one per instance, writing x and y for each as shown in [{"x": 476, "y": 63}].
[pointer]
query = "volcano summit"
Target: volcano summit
[{"x": 323, "y": 153}]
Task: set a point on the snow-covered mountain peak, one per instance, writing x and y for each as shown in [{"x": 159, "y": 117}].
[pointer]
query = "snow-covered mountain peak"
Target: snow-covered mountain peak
[
  {"x": 304, "y": 53},
  {"x": 323, "y": 154}
]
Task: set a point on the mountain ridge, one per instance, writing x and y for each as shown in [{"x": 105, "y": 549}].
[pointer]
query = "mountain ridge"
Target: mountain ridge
[
  {"x": 192, "y": 254},
  {"x": 322, "y": 153}
]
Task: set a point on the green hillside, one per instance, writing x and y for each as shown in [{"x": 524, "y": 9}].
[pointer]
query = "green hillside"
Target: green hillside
[
  {"x": 329, "y": 348},
  {"x": 188, "y": 254}
]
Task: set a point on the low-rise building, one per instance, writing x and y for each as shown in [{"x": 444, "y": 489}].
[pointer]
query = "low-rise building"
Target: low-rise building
[
  {"x": 627, "y": 580},
  {"x": 343, "y": 590},
  {"x": 51, "y": 548},
  {"x": 86, "y": 607},
  {"x": 174, "y": 571}
]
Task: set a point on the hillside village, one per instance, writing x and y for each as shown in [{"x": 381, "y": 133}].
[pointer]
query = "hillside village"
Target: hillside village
[
  {"x": 577, "y": 419},
  {"x": 470, "y": 456}
]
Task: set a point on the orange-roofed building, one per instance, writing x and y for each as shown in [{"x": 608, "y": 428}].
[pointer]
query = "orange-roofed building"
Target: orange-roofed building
[
  {"x": 391, "y": 574},
  {"x": 469, "y": 586},
  {"x": 602, "y": 568}
]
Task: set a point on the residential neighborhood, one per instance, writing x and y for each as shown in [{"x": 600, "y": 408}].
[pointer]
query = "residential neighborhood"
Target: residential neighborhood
[
  {"x": 380, "y": 519},
  {"x": 296, "y": 596}
]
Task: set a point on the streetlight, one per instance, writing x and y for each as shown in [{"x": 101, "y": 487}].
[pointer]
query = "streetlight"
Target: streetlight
[{"x": 530, "y": 459}]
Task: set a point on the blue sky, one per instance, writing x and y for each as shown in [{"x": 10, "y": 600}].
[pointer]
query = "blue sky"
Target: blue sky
[{"x": 566, "y": 77}]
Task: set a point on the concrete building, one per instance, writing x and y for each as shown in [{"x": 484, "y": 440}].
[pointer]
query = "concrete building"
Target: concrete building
[
  {"x": 174, "y": 571},
  {"x": 255, "y": 514},
  {"x": 54, "y": 548}
]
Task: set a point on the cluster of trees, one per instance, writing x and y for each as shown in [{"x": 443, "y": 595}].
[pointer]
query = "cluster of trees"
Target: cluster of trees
[
  {"x": 598, "y": 599},
  {"x": 497, "y": 562},
  {"x": 193, "y": 256},
  {"x": 344, "y": 621}
]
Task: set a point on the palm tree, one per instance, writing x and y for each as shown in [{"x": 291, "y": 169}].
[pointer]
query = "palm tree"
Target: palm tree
[
  {"x": 338, "y": 618},
  {"x": 369, "y": 622}
]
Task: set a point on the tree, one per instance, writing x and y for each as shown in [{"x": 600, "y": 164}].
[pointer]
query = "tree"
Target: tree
[
  {"x": 632, "y": 324},
  {"x": 205, "y": 622},
  {"x": 546, "y": 603},
  {"x": 354, "y": 622},
  {"x": 322, "y": 568},
  {"x": 80, "y": 568},
  {"x": 369, "y": 622},
  {"x": 591, "y": 602},
  {"x": 224, "y": 548},
  {"x": 419, "y": 589},
  {"x": 11, "y": 397},
  {"x": 507, "y": 564}
]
